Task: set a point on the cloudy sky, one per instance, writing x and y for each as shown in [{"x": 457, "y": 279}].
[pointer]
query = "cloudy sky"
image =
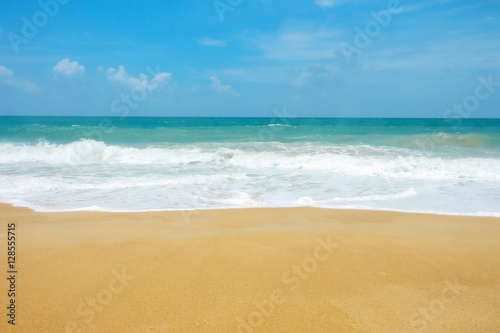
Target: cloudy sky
[{"x": 317, "y": 58}]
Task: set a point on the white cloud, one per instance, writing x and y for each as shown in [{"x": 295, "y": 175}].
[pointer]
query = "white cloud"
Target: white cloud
[
  {"x": 288, "y": 45},
  {"x": 301, "y": 77},
  {"x": 327, "y": 3},
  {"x": 219, "y": 87},
  {"x": 119, "y": 75},
  {"x": 69, "y": 68},
  {"x": 5, "y": 72},
  {"x": 266, "y": 74},
  {"x": 7, "y": 78},
  {"x": 207, "y": 41},
  {"x": 297, "y": 77}
]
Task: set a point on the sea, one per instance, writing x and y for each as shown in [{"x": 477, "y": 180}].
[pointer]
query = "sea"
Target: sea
[{"x": 444, "y": 166}]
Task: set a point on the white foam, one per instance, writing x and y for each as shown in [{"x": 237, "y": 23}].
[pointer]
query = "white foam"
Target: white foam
[
  {"x": 92, "y": 175},
  {"x": 240, "y": 199},
  {"x": 378, "y": 197},
  {"x": 305, "y": 201},
  {"x": 344, "y": 160}
]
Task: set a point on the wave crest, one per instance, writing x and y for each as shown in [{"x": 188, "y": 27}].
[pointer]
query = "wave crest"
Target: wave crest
[{"x": 363, "y": 160}]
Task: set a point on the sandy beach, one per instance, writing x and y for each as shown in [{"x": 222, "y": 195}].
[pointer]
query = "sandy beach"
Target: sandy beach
[{"x": 253, "y": 270}]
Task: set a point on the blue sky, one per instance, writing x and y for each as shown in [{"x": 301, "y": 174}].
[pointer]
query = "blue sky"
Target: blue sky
[{"x": 316, "y": 58}]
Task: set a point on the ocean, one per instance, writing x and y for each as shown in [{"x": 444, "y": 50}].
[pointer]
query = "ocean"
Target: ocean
[{"x": 446, "y": 166}]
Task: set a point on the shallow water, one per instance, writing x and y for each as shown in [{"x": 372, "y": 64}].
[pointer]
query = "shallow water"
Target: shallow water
[{"x": 141, "y": 164}]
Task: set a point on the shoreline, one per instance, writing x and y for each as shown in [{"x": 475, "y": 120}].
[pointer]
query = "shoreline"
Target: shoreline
[
  {"x": 383, "y": 210},
  {"x": 256, "y": 269}
]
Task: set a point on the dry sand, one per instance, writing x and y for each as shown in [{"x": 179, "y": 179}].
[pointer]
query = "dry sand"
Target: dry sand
[{"x": 253, "y": 270}]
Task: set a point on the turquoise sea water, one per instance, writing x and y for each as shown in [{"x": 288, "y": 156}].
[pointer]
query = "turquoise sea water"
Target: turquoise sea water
[{"x": 138, "y": 164}]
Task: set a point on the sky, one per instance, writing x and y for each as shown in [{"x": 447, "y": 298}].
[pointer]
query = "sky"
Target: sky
[{"x": 249, "y": 58}]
